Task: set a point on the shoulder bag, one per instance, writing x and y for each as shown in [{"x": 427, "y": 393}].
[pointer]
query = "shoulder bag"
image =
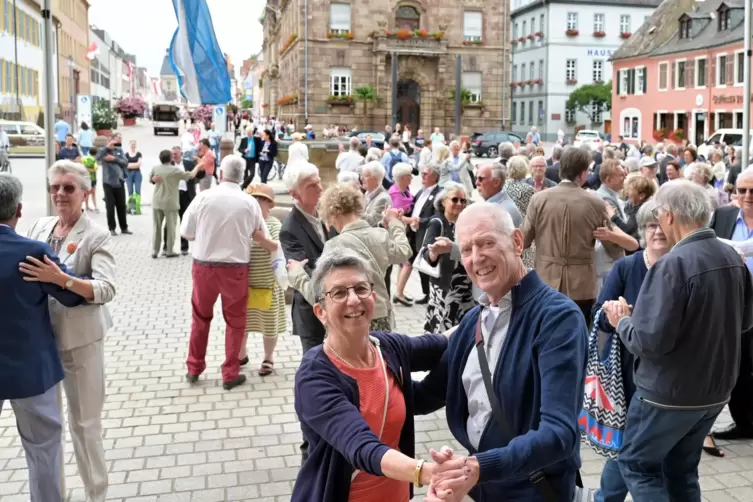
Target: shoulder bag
[
  {"x": 421, "y": 264},
  {"x": 537, "y": 478}
]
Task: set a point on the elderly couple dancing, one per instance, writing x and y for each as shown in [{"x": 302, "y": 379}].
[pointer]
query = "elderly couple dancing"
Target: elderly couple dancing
[{"x": 526, "y": 343}]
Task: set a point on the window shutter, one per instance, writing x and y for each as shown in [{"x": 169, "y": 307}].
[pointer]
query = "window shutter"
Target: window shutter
[
  {"x": 645, "y": 80},
  {"x": 710, "y": 70},
  {"x": 632, "y": 81},
  {"x": 619, "y": 81},
  {"x": 730, "y": 70},
  {"x": 689, "y": 74},
  {"x": 671, "y": 73}
]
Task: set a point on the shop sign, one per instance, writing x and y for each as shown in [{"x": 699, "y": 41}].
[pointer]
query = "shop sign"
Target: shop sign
[{"x": 724, "y": 99}]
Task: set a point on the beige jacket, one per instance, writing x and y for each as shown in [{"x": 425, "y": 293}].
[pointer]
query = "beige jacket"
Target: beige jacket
[
  {"x": 87, "y": 252},
  {"x": 379, "y": 247}
]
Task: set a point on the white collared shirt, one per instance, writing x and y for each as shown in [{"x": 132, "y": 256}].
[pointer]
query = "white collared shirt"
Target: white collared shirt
[
  {"x": 425, "y": 194},
  {"x": 221, "y": 222}
]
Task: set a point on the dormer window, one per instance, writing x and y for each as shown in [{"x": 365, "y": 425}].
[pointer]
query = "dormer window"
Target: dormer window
[
  {"x": 723, "y": 16},
  {"x": 685, "y": 27}
]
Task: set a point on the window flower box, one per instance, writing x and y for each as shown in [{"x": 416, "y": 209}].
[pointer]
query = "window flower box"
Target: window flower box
[
  {"x": 538, "y": 81},
  {"x": 572, "y": 33},
  {"x": 530, "y": 36},
  {"x": 599, "y": 34},
  {"x": 348, "y": 35},
  {"x": 288, "y": 43},
  {"x": 288, "y": 100},
  {"x": 677, "y": 135},
  {"x": 340, "y": 100},
  {"x": 474, "y": 42},
  {"x": 539, "y": 34},
  {"x": 660, "y": 134},
  {"x": 515, "y": 84},
  {"x": 403, "y": 34},
  {"x": 625, "y": 34},
  {"x": 421, "y": 33},
  {"x": 437, "y": 35},
  {"x": 513, "y": 42},
  {"x": 572, "y": 81},
  {"x": 521, "y": 39}
]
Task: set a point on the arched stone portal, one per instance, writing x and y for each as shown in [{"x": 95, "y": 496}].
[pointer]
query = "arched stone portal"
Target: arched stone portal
[{"x": 409, "y": 103}]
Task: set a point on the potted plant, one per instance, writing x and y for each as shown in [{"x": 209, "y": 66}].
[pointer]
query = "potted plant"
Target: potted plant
[
  {"x": 521, "y": 39},
  {"x": 104, "y": 118},
  {"x": 572, "y": 81},
  {"x": 625, "y": 34},
  {"x": 530, "y": 36},
  {"x": 658, "y": 135},
  {"x": 421, "y": 33},
  {"x": 129, "y": 108},
  {"x": 572, "y": 33},
  {"x": 203, "y": 114},
  {"x": 539, "y": 34},
  {"x": 599, "y": 34},
  {"x": 366, "y": 94},
  {"x": 677, "y": 135},
  {"x": 437, "y": 35},
  {"x": 403, "y": 34}
]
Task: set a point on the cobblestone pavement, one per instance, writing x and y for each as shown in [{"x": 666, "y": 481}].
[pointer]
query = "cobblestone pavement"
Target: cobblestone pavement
[{"x": 169, "y": 441}]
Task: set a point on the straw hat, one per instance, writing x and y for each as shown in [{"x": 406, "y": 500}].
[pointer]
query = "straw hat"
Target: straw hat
[{"x": 261, "y": 190}]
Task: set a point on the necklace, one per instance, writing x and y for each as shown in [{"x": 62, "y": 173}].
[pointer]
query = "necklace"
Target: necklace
[
  {"x": 645, "y": 259},
  {"x": 340, "y": 358}
]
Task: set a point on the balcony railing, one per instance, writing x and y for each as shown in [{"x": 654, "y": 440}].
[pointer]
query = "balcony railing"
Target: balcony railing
[{"x": 417, "y": 46}]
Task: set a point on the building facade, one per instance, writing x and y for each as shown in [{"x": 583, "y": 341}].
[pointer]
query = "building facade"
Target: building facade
[
  {"x": 168, "y": 82},
  {"x": 323, "y": 54},
  {"x": 22, "y": 60},
  {"x": 690, "y": 85},
  {"x": 72, "y": 44},
  {"x": 252, "y": 82},
  {"x": 558, "y": 46}
]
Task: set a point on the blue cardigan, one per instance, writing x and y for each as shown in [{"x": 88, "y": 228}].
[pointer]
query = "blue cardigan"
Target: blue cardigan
[
  {"x": 538, "y": 379},
  {"x": 327, "y": 404},
  {"x": 624, "y": 280}
]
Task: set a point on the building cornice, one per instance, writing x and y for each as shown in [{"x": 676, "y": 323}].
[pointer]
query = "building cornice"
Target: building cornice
[{"x": 594, "y": 3}]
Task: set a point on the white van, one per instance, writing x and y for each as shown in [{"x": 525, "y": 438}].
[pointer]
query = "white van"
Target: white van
[
  {"x": 165, "y": 118},
  {"x": 730, "y": 137}
]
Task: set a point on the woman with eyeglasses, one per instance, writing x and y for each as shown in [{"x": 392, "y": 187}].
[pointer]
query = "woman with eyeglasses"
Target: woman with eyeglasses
[
  {"x": 450, "y": 295},
  {"x": 85, "y": 248},
  {"x": 343, "y": 208},
  {"x": 354, "y": 396}
]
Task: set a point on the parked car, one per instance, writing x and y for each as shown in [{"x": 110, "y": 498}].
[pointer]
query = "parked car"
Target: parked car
[
  {"x": 729, "y": 137},
  {"x": 586, "y": 137},
  {"x": 488, "y": 143},
  {"x": 23, "y": 134},
  {"x": 377, "y": 138}
]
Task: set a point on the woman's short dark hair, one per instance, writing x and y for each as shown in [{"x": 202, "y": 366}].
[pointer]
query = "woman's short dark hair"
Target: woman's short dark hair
[
  {"x": 84, "y": 126},
  {"x": 693, "y": 153},
  {"x": 205, "y": 142},
  {"x": 93, "y": 151},
  {"x": 675, "y": 164},
  {"x": 165, "y": 156},
  {"x": 573, "y": 162}
]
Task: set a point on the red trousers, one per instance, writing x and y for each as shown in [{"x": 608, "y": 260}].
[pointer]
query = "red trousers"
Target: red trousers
[{"x": 229, "y": 281}]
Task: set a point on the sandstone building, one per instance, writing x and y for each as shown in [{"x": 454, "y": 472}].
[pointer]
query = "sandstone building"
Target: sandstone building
[{"x": 317, "y": 70}]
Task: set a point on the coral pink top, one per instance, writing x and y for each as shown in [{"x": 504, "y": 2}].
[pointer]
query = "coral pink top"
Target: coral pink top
[{"x": 366, "y": 487}]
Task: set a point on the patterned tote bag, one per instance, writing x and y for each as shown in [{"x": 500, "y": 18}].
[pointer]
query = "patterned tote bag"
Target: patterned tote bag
[{"x": 602, "y": 419}]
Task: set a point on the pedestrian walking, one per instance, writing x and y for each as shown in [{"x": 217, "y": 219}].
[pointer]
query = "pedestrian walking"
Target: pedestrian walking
[{"x": 114, "y": 165}]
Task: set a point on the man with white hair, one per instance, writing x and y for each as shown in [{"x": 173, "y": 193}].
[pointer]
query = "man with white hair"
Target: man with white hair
[
  {"x": 694, "y": 305},
  {"x": 352, "y": 159},
  {"x": 506, "y": 152},
  {"x": 221, "y": 223},
  {"x": 490, "y": 182},
  {"x": 522, "y": 424}
]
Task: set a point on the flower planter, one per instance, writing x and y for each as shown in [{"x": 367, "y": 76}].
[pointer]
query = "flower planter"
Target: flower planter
[
  {"x": 572, "y": 33},
  {"x": 572, "y": 82},
  {"x": 599, "y": 34},
  {"x": 530, "y": 37},
  {"x": 625, "y": 35},
  {"x": 104, "y": 132},
  {"x": 129, "y": 121},
  {"x": 539, "y": 34},
  {"x": 340, "y": 102}
]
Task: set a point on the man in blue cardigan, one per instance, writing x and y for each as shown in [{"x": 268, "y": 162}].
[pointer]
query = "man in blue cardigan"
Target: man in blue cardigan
[
  {"x": 29, "y": 363},
  {"x": 535, "y": 341}
]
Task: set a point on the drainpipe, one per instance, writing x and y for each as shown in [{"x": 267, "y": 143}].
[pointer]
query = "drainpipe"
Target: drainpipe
[
  {"x": 306, "y": 61},
  {"x": 505, "y": 61},
  {"x": 546, "y": 73},
  {"x": 15, "y": 68}
]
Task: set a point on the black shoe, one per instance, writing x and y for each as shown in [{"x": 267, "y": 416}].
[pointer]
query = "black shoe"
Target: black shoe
[
  {"x": 184, "y": 252},
  {"x": 154, "y": 256},
  {"x": 126, "y": 232},
  {"x": 733, "y": 432},
  {"x": 234, "y": 383},
  {"x": 402, "y": 301},
  {"x": 192, "y": 378},
  {"x": 244, "y": 361},
  {"x": 422, "y": 301},
  {"x": 113, "y": 233},
  {"x": 172, "y": 255}
]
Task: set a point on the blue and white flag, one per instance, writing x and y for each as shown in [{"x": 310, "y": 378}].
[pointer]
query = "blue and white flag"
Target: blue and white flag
[{"x": 195, "y": 56}]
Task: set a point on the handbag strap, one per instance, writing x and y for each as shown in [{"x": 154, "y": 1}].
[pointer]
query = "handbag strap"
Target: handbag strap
[{"x": 537, "y": 478}]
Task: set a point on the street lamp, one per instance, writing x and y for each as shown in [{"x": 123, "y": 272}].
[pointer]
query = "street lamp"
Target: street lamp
[{"x": 71, "y": 65}]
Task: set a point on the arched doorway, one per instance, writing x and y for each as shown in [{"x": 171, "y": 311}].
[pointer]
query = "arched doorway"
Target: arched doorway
[{"x": 409, "y": 104}]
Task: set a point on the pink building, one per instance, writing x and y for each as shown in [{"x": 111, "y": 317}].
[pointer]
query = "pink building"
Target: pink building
[{"x": 681, "y": 75}]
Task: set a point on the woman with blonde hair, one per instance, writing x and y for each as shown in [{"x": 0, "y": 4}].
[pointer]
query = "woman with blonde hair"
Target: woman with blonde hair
[
  {"x": 266, "y": 305},
  {"x": 343, "y": 207},
  {"x": 518, "y": 170},
  {"x": 703, "y": 175}
]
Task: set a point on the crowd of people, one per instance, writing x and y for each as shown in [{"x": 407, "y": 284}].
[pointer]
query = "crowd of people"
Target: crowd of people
[{"x": 651, "y": 249}]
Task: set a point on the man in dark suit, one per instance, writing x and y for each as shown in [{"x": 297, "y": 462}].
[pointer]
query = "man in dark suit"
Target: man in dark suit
[
  {"x": 423, "y": 210},
  {"x": 249, "y": 149},
  {"x": 303, "y": 236},
  {"x": 30, "y": 366},
  {"x": 736, "y": 224},
  {"x": 553, "y": 171}
]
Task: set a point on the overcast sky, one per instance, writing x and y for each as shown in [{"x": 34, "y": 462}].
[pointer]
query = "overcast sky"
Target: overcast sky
[{"x": 145, "y": 27}]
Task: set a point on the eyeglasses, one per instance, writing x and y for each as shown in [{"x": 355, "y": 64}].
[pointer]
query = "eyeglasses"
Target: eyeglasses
[
  {"x": 458, "y": 200},
  {"x": 339, "y": 294},
  {"x": 68, "y": 189},
  {"x": 652, "y": 227},
  {"x": 655, "y": 212},
  {"x": 480, "y": 179},
  {"x": 743, "y": 191}
]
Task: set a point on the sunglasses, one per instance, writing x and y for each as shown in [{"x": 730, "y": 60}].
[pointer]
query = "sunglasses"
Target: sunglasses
[
  {"x": 458, "y": 200},
  {"x": 743, "y": 191},
  {"x": 68, "y": 189}
]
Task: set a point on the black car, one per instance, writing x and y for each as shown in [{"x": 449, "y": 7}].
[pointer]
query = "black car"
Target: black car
[
  {"x": 377, "y": 138},
  {"x": 488, "y": 143}
]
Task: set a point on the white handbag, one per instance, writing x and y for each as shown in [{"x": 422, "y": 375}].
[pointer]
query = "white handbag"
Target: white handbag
[{"x": 424, "y": 266}]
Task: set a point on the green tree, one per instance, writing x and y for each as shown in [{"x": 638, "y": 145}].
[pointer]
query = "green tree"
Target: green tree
[
  {"x": 584, "y": 96},
  {"x": 246, "y": 103},
  {"x": 366, "y": 94}
]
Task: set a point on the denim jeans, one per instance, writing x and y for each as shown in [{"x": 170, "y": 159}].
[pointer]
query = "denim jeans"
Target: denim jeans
[
  {"x": 134, "y": 181},
  {"x": 661, "y": 451}
]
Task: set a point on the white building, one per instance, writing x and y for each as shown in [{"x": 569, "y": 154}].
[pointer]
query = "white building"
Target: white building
[
  {"x": 22, "y": 62},
  {"x": 559, "y": 45}
]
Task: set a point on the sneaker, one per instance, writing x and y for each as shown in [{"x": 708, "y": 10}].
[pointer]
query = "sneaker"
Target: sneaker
[
  {"x": 240, "y": 379},
  {"x": 126, "y": 232}
]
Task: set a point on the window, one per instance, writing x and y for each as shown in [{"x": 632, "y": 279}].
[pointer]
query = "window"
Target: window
[
  {"x": 569, "y": 115},
  {"x": 514, "y": 73},
  {"x": 532, "y": 71},
  {"x": 525, "y": 31},
  {"x": 570, "y": 69},
  {"x": 700, "y": 72},
  {"x": 541, "y": 69},
  {"x": 572, "y": 20},
  {"x": 598, "y": 23},
  {"x": 339, "y": 18},
  {"x": 686, "y": 25},
  {"x": 721, "y": 70},
  {"x": 541, "y": 113},
  {"x": 472, "y": 82},
  {"x": 595, "y": 113},
  {"x": 472, "y": 26},
  {"x": 640, "y": 80},
  {"x": 408, "y": 18},
  {"x": 739, "y": 67},
  {"x": 522, "y": 113},
  {"x": 340, "y": 81},
  {"x": 533, "y": 25},
  {"x": 530, "y": 112},
  {"x": 598, "y": 70},
  {"x": 723, "y": 19},
  {"x": 663, "y": 81},
  {"x": 514, "y": 114},
  {"x": 515, "y": 31},
  {"x": 541, "y": 24},
  {"x": 625, "y": 24},
  {"x": 680, "y": 75},
  {"x": 523, "y": 71}
]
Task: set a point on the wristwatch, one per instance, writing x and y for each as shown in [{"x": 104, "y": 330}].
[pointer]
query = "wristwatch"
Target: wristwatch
[{"x": 68, "y": 284}]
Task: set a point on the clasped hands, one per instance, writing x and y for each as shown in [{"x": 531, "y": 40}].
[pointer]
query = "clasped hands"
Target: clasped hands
[
  {"x": 453, "y": 476},
  {"x": 616, "y": 310}
]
